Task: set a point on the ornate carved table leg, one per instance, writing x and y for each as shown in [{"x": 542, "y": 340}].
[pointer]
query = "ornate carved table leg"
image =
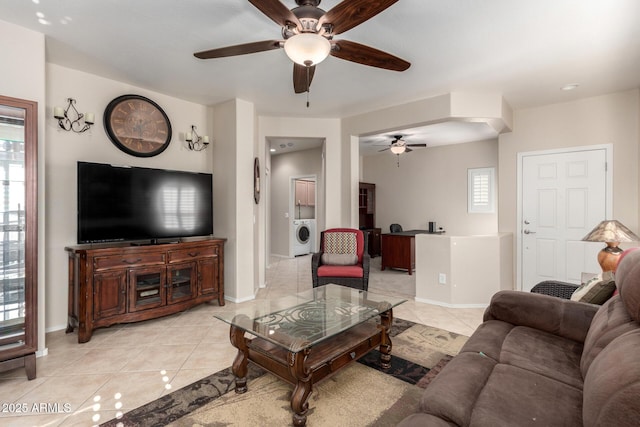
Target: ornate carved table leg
[
  {"x": 386, "y": 319},
  {"x": 241, "y": 362},
  {"x": 303, "y": 388}
]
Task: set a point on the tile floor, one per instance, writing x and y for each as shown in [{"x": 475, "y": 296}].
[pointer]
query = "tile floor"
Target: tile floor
[{"x": 126, "y": 366}]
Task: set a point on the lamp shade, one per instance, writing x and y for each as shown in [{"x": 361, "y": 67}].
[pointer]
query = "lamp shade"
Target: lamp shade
[
  {"x": 611, "y": 231},
  {"x": 307, "y": 48}
]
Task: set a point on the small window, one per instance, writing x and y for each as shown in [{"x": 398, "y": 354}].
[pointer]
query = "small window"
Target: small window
[{"x": 481, "y": 190}]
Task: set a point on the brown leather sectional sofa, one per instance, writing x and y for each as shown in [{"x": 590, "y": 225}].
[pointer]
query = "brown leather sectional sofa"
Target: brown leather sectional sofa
[{"x": 539, "y": 360}]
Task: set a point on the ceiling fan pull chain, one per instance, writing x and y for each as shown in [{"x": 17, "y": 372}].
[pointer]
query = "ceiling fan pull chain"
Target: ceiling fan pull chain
[{"x": 308, "y": 64}]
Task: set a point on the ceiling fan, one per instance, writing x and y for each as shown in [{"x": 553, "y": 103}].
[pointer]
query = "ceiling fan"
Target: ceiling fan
[
  {"x": 308, "y": 33},
  {"x": 399, "y": 146}
]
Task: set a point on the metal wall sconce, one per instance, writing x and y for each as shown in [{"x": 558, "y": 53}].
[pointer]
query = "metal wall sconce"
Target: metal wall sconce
[
  {"x": 195, "y": 141},
  {"x": 70, "y": 119}
]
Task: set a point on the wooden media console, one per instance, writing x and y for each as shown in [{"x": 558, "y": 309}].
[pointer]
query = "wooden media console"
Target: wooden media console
[{"x": 122, "y": 283}]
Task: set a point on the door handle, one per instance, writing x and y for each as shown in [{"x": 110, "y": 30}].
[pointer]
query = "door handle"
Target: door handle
[{"x": 529, "y": 232}]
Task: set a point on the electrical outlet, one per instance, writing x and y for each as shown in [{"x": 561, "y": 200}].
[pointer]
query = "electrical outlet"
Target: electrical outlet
[{"x": 442, "y": 279}]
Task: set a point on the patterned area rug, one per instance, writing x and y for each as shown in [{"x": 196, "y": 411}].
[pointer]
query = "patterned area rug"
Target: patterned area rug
[{"x": 359, "y": 395}]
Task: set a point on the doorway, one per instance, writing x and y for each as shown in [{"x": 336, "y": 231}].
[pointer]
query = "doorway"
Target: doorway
[
  {"x": 302, "y": 212},
  {"x": 302, "y": 160},
  {"x": 562, "y": 195}
]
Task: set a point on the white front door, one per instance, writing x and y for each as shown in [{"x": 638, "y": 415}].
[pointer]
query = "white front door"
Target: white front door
[{"x": 564, "y": 196}]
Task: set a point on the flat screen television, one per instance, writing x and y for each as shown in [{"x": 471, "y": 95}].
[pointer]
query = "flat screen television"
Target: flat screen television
[{"x": 117, "y": 203}]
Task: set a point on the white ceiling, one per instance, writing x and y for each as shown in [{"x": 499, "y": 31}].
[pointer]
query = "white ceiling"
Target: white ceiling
[
  {"x": 524, "y": 49},
  {"x": 445, "y": 133}
]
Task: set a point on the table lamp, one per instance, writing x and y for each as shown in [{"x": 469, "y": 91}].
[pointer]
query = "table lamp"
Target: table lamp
[{"x": 611, "y": 232}]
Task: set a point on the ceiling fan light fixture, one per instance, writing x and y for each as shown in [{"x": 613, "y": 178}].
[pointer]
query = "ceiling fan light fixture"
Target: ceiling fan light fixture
[
  {"x": 307, "y": 49},
  {"x": 398, "y": 149}
]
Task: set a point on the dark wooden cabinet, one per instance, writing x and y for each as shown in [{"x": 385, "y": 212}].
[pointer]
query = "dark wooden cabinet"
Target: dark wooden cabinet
[
  {"x": 367, "y": 205},
  {"x": 121, "y": 283},
  {"x": 207, "y": 267},
  {"x": 367, "y": 216},
  {"x": 19, "y": 235},
  {"x": 373, "y": 239},
  {"x": 109, "y": 294},
  {"x": 399, "y": 251}
]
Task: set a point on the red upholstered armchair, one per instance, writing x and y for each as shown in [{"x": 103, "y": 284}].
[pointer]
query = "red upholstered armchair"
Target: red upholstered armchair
[{"x": 343, "y": 259}]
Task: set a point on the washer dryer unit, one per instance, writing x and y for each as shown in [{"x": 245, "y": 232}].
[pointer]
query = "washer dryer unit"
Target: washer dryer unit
[{"x": 301, "y": 236}]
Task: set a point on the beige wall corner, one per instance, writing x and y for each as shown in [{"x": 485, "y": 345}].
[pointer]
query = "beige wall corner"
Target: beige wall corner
[{"x": 462, "y": 271}]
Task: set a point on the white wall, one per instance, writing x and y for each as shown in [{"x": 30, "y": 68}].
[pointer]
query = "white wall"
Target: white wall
[
  {"x": 430, "y": 184},
  {"x": 64, "y": 149},
  {"x": 23, "y": 76},
  {"x": 607, "y": 119}
]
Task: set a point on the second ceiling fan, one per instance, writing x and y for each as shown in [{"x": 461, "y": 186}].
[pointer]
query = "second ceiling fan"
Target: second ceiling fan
[
  {"x": 308, "y": 33},
  {"x": 399, "y": 146}
]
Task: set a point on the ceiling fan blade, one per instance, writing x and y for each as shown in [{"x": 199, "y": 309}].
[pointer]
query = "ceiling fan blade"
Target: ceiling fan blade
[
  {"x": 300, "y": 82},
  {"x": 277, "y": 12},
  {"x": 384, "y": 149},
  {"x": 407, "y": 149},
  {"x": 416, "y": 145},
  {"x": 366, "y": 55},
  {"x": 350, "y": 13},
  {"x": 240, "y": 49}
]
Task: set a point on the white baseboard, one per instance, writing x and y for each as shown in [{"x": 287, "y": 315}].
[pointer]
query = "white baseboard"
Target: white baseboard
[
  {"x": 447, "y": 305},
  {"x": 54, "y": 328},
  {"x": 240, "y": 300}
]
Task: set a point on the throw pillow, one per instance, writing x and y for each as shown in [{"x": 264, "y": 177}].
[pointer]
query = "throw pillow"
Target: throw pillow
[
  {"x": 339, "y": 259},
  {"x": 597, "y": 290},
  {"x": 340, "y": 243}
]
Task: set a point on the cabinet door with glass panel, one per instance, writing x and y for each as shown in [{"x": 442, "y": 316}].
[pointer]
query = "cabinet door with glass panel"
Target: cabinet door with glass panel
[
  {"x": 18, "y": 232},
  {"x": 181, "y": 283},
  {"x": 147, "y": 288}
]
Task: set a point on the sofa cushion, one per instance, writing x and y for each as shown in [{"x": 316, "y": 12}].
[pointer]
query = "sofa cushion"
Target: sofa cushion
[
  {"x": 516, "y": 397},
  {"x": 528, "y": 348},
  {"x": 612, "y": 384},
  {"x": 543, "y": 353},
  {"x": 340, "y": 271},
  {"x": 597, "y": 290}
]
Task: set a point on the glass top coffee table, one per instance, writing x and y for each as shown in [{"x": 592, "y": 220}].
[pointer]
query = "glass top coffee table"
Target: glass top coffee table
[{"x": 306, "y": 337}]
